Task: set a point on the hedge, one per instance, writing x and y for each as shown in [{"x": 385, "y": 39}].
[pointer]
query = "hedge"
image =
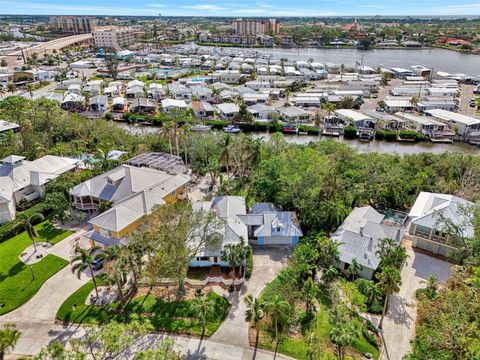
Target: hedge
[
  {"x": 249, "y": 265},
  {"x": 11, "y": 228},
  {"x": 411, "y": 134},
  {"x": 350, "y": 132}
]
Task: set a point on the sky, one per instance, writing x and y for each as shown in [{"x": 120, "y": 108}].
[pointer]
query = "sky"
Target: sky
[{"x": 242, "y": 8}]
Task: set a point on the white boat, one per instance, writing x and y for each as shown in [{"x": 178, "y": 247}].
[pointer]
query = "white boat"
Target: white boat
[
  {"x": 200, "y": 127},
  {"x": 231, "y": 129}
]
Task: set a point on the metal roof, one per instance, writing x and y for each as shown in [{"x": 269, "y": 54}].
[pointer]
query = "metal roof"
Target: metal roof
[{"x": 171, "y": 164}]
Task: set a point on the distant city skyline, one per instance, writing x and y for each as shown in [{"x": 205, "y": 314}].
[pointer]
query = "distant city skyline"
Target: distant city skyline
[{"x": 246, "y": 8}]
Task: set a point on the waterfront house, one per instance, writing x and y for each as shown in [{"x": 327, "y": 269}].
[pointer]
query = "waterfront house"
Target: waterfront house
[
  {"x": 294, "y": 114},
  {"x": 119, "y": 104},
  {"x": 434, "y": 220},
  {"x": 98, "y": 103},
  {"x": 462, "y": 124},
  {"x": 359, "y": 120},
  {"x": 133, "y": 189},
  {"x": 233, "y": 230},
  {"x": 228, "y": 110},
  {"x": 262, "y": 111},
  {"x": 269, "y": 225},
  {"x": 202, "y": 109},
  {"x": 172, "y": 105},
  {"x": 358, "y": 239},
  {"x": 24, "y": 181},
  {"x": 424, "y": 124},
  {"x": 143, "y": 106}
]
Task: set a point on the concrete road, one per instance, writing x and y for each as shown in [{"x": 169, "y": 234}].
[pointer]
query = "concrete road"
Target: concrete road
[{"x": 399, "y": 323}]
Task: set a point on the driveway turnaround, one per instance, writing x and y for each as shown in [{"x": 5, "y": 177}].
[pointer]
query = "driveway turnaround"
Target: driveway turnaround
[{"x": 399, "y": 323}]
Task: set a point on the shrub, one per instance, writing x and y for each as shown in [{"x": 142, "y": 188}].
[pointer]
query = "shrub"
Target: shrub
[
  {"x": 11, "y": 228},
  {"x": 350, "y": 132},
  {"x": 380, "y": 135},
  {"x": 367, "y": 330},
  {"x": 249, "y": 265},
  {"x": 390, "y": 135},
  {"x": 108, "y": 116}
]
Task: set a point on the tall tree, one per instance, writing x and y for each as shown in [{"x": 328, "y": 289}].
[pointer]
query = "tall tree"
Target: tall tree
[
  {"x": 278, "y": 310},
  {"x": 342, "y": 335},
  {"x": 254, "y": 313},
  {"x": 389, "y": 281},
  {"x": 27, "y": 224},
  {"x": 203, "y": 306},
  {"x": 85, "y": 260}
]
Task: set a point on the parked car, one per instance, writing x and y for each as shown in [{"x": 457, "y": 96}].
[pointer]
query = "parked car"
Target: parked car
[
  {"x": 477, "y": 91},
  {"x": 98, "y": 263}
]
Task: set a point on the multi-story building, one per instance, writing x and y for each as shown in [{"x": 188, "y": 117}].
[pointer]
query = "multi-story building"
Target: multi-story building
[
  {"x": 234, "y": 39},
  {"x": 113, "y": 38},
  {"x": 253, "y": 27},
  {"x": 73, "y": 24}
]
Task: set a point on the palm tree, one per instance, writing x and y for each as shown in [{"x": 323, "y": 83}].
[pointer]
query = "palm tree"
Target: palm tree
[
  {"x": 231, "y": 256},
  {"x": 85, "y": 260},
  {"x": 328, "y": 107},
  {"x": 11, "y": 88},
  {"x": 30, "y": 88},
  {"x": 342, "y": 335},
  {"x": 278, "y": 310},
  {"x": 309, "y": 290},
  {"x": 287, "y": 95},
  {"x": 202, "y": 306},
  {"x": 3, "y": 91},
  {"x": 355, "y": 268},
  {"x": 389, "y": 282},
  {"x": 225, "y": 154},
  {"x": 9, "y": 336},
  {"x": 26, "y": 224},
  {"x": 255, "y": 312}
]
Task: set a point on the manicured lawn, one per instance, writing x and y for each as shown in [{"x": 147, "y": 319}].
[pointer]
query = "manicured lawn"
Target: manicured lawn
[
  {"x": 297, "y": 346},
  {"x": 175, "y": 316},
  {"x": 17, "y": 285}
]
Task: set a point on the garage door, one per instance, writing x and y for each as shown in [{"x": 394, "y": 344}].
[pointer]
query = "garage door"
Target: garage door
[{"x": 278, "y": 240}]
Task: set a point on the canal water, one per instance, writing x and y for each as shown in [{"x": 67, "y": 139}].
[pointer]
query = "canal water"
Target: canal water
[
  {"x": 438, "y": 59},
  {"x": 359, "y": 146}
]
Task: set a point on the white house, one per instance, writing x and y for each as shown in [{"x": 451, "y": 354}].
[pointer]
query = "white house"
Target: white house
[
  {"x": 233, "y": 230},
  {"x": 462, "y": 124},
  {"x": 171, "y": 104},
  {"x": 22, "y": 180},
  {"x": 432, "y": 219},
  {"x": 358, "y": 239},
  {"x": 228, "y": 110}
]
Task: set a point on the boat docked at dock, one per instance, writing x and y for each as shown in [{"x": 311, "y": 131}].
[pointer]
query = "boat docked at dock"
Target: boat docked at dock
[{"x": 232, "y": 129}]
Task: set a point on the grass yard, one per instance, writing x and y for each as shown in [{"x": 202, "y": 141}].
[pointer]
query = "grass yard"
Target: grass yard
[
  {"x": 175, "y": 316},
  {"x": 16, "y": 283},
  {"x": 297, "y": 346}
]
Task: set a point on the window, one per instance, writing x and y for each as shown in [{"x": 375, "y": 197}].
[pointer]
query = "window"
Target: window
[{"x": 105, "y": 233}]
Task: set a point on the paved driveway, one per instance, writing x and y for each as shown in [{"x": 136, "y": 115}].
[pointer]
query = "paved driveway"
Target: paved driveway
[
  {"x": 267, "y": 263},
  {"x": 399, "y": 323}
]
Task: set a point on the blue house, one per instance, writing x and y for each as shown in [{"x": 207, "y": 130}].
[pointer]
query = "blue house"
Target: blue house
[{"x": 269, "y": 225}]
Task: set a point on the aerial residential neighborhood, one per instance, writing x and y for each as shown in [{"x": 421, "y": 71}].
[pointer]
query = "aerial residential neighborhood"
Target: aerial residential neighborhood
[{"x": 239, "y": 181}]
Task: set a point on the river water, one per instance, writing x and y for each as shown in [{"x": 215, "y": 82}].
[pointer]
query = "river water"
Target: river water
[
  {"x": 438, "y": 59},
  {"x": 359, "y": 146}
]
